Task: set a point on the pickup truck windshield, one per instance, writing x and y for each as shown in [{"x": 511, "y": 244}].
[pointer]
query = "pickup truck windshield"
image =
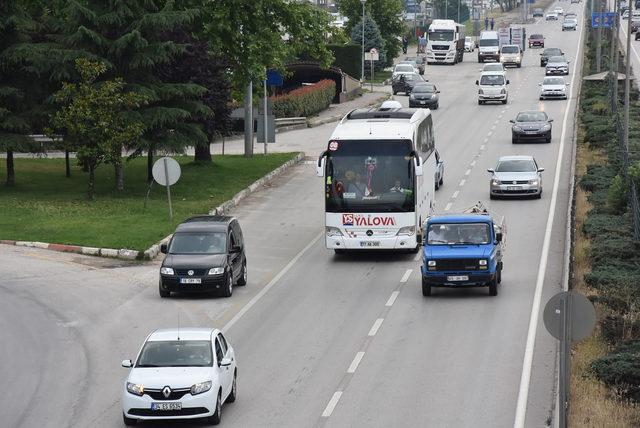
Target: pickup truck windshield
[{"x": 458, "y": 233}]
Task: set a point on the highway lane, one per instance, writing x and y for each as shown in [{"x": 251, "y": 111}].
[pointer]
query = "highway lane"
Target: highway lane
[{"x": 452, "y": 360}]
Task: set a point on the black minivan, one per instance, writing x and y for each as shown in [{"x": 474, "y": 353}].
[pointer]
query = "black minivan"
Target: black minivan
[{"x": 206, "y": 253}]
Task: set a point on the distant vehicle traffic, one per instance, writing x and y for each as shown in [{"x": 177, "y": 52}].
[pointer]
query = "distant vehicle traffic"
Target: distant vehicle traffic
[
  {"x": 489, "y": 46},
  {"x": 417, "y": 61},
  {"x": 549, "y": 52},
  {"x": 558, "y": 10},
  {"x": 511, "y": 55},
  {"x": 536, "y": 40},
  {"x": 206, "y": 253},
  {"x": 494, "y": 66},
  {"x": 569, "y": 24},
  {"x": 492, "y": 87},
  {"x": 180, "y": 373},
  {"x": 557, "y": 65},
  {"x": 469, "y": 44},
  {"x": 425, "y": 95},
  {"x": 463, "y": 250},
  {"x": 551, "y": 16},
  {"x": 378, "y": 170},
  {"x": 446, "y": 42},
  {"x": 515, "y": 176},
  {"x": 404, "y": 69},
  {"x": 538, "y": 12},
  {"x": 553, "y": 87},
  {"x": 439, "y": 177},
  {"x": 405, "y": 82},
  {"x": 531, "y": 126}
]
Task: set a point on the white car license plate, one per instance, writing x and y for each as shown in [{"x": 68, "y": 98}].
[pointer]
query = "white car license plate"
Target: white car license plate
[
  {"x": 458, "y": 278},
  {"x": 190, "y": 281},
  {"x": 423, "y": 102},
  {"x": 166, "y": 406},
  {"x": 532, "y": 132},
  {"x": 369, "y": 243},
  {"x": 513, "y": 188}
]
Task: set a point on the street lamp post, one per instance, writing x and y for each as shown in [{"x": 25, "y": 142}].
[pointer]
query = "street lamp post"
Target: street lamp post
[{"x": 362, "y": 75}]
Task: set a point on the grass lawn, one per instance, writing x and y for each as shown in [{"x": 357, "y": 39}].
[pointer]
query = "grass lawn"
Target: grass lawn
[{"x": 45, "y": 206}]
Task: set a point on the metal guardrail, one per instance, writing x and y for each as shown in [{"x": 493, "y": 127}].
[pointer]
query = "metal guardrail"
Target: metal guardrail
[{"x": 291, "y": 121}]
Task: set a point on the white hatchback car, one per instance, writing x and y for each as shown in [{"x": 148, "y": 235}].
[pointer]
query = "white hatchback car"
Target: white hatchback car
[{"x": 181, "y": 373}]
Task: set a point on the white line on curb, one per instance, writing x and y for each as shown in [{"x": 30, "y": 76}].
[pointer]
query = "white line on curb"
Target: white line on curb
[
  {"x": 332, "y": 404},
  {"x": 392, "y": 298},
  {"x": 376, "y": 325},
  {"x": 406, "y": 275},
  {"x": 356, "y": 361}
]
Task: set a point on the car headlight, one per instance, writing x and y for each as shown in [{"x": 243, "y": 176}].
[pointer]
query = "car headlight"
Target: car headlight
[
  {"x": 503, "y": 91},
  {"x": 201, "y": 387},
  {"x": 166, "y": 271},
  {"x": 407, "y": 230},
  {"x": 533, "y": 182},
  {"x": 495, "y": 182},
  {"x": 332, "y": 231},
  {"x": 501, "y": 58},
  {"x": 135, "y": 389},
  {"x": 480, "y": 92},
  {"x": 412, "y": 96},
  {"x": 216, "y": 271},
  {"x": 517, "y": 129},
  {"x": 545, "y": 128}
]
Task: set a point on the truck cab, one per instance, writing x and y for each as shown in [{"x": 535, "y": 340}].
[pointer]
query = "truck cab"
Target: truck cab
[{"x": 463, "y": 250}]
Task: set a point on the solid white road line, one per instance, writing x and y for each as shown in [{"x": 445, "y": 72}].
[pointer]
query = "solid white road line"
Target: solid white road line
[
  {"x": 406, "y": 275},
  {"x": 455, "y": 194},
  {"x": 356, "y": 361},
  {"x": 448, "y": 206},
  {"x": 392, "y": 298},
  {"x": 376, "y": 325},
  {"x": 271, "y": 283},
  {"x": 332, "y": 404},
  {"x": 525, "y": 378}
]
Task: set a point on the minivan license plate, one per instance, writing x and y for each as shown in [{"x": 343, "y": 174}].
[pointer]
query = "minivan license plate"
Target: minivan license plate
[
  {"x": 458, "y": 278},
  {"x": 166, "y": 406},
  {"x": 369, "y": 243},
  {"x": 190, "y": 280}
]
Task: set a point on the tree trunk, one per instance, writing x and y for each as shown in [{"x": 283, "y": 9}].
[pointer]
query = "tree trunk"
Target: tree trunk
[
  {"x": 203, "y": 152},
  {"x": 91, "y": 181},
  {"x": 11, "y": 172},
  {"x": 119, "y": 170},
  {"x": 150, "y": 164},
  {"x": 85, "y": 166},
  {"x": 67, "y": 165}
]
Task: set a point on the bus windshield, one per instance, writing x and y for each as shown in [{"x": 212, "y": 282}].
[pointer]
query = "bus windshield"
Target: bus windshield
[
  {"x": 369, "y": 176},
  {"x": 441, "y": 35}
]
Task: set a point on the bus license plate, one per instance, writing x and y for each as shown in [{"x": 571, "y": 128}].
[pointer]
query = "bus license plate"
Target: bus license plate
[
  {"x": 166, "y": 406},
  {"x": 369, "y": 243},
  {"x": 458, "y": 278},
  {"x": 190, "y": 281}
]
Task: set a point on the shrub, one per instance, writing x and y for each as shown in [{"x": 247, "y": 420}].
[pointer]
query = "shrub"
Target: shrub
[
  {"x": 621, "y": 369},
  {"x": 617, "y": 195},
  {"x": 305, "y": 101}
]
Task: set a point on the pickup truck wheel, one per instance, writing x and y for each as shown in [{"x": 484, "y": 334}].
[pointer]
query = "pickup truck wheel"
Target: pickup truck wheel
[
  {"x": 426, "y": 288},
  {"x": 493, "y": 288},
  {"x": 499, "y": 276}
]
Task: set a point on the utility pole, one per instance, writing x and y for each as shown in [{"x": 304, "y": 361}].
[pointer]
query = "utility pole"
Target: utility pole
[
  {"x": 362, "y": 75},
  {"x": 615, "y": 55},
  {"x": 248, "y": 121},
  {"x": 599, "y": 39},
  {"x": 627, "y": 83}
]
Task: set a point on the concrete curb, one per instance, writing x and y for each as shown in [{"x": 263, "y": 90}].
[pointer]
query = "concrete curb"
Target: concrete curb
[{"x": 154, "y": 250}]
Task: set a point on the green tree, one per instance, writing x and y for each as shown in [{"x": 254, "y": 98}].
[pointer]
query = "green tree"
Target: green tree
[
  {"x": 94, "y": 117},
  {"x": 449, "y": 9},
  {"x": 132, "y": 38},
  {"x": 372, "y": 39},
  {"x": 386, "y": 13}
]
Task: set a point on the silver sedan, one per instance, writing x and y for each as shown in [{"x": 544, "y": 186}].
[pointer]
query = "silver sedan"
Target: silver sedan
[{"x": 516, "y": 176}]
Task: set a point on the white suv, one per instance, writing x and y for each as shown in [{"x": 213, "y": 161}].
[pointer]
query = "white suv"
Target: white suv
[
  {"x": 181, "y": 373},
  {"x": 492, "y": 87}
]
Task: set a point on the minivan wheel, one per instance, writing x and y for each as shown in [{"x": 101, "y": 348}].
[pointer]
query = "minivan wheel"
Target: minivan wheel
[
  {"x": 129, "y": 421},
  {"x": 228, "y": 289},
  {"x": 243, "y": 278},
  {"x": 163, "y": 291}
]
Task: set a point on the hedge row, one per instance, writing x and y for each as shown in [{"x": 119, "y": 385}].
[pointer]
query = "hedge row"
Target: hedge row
[
  {"x": 614, "y": 255},
  {"x": 305, "y": 101}
]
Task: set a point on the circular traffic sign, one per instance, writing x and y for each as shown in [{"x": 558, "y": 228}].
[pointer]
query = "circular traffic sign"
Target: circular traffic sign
[
  {"x": 373, "y": 51},
  {"x": 166, "y": 171}
]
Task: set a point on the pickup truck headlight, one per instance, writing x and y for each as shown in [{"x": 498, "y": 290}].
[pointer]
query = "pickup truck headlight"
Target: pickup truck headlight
[
  {"x": 216, "y": 271},
  {"x": 166, "y": 271},
  {"x": 431, "y": 263},
  {"x": 483, "y": 264},
  {"x": 407, "y": 230},
  {"x": 201, "y": 387},
  {"x": 332, "y": 231},
  {"x": 135, "y": 389}
]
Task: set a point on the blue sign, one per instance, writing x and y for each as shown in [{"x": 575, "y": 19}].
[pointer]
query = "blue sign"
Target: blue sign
[
  {"x": 603, "y": 19},
  {"x": 274, "y": 78}
]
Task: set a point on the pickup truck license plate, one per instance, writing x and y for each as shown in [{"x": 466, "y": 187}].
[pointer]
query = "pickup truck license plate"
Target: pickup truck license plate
[
  {"x": 190, "y": 281},
  {"x": 513, "y": 188},
  {"x": 458, "y": 278},
  {"x": 166, "y": 406},
  {"x": 369, "y": 243}
]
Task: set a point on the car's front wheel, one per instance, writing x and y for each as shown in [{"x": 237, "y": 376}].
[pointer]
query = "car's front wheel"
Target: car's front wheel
[
  {"x": 228, "y": 289},
  {"x": 216, "y": 417},
  {"x": 163, "y": 291},
  {"x": 233, "y": 394},
  {"x": 243, "y": 277},
  {"x": 129, "y": 421}
]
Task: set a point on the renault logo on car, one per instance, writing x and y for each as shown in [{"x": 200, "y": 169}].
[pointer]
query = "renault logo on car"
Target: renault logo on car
[
  {"x": 190, "y": 273},
  {"x": 166, "y": 391}
]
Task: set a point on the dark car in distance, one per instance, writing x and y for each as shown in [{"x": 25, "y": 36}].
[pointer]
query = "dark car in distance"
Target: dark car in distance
[
  {"x": 205, "y": 254},
  {"x": 536, "y": 40},
  {"x": 547, "y": 53},
  {"x": 405, "y": 82},
  {"x": 538, "y": 12},
  {"x": 424, "y": 95},
  {"x": 417, "y": 61},
  {"x": 531, "y": 125}
]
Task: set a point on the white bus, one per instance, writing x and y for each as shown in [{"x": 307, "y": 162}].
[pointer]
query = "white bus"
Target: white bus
[{"x": 379, "y": 179}]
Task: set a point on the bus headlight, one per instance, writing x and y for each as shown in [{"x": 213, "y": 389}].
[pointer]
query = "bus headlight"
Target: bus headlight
[
  {"x": 407, "y": 230},
  {"x": 332, "y": 231}
]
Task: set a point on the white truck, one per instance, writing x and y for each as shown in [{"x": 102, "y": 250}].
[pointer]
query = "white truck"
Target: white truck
[{"x": 446, "y": 42}]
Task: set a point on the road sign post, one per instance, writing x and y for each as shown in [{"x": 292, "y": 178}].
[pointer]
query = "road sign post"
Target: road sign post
[
  {"x": 166, "y": 172},
  {"x": 372, "y": 55}
]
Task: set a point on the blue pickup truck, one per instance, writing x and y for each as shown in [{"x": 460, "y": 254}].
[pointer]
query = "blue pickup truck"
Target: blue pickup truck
[{"x": 463, "y": 250}]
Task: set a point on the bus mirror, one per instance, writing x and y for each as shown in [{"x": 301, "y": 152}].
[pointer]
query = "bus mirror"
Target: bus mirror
[
  {"x": 417, "y": 165},
  {"x": 321, "y": 163}
]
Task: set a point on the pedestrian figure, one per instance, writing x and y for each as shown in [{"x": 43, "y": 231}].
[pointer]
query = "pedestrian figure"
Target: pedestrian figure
[
  {"x": 492, "y": 23},
  {"x": 486, "y": 23},
  {"x": 405, "y": 43}
]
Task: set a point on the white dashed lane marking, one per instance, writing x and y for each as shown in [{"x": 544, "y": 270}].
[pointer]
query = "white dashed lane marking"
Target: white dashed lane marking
[
  {"x": 462, "y": 182},
  {"x": 406, "y": 275},
  {"x": 376, "y": 325},
  {"x": 448, "y": 207},
  {"x": 392, "y": 299},
  {"x": 455, "y": 194},
  {"x": 356, "y": 361},
  {"x": 332, "y": 404}
]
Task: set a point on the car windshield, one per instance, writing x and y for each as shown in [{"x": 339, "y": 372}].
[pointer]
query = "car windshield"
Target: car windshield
[
  {"x": 198, "y": 243},
  {"x": 441, "y": 36},
  {"x": 408, "y": 62},
  {"x": 488, "y": 42},
  {"x": 510, "y": 49},
  {"x": 553, "y": 81},
  {"x": 404, "y": 68},
  {"x": 176, "y": 353},
  {"x": 536, "y": 36},
  {"x": 552, "y": 52},
  {"x": 458, "y": 233},
  {"x": 557, "y": 59},
  {"x": 423, "y": 89},
  {"x": 492, "y": 80},
  {"x": 516, "y": 165},
  {"x": 531, "y": 116},
  {"x": 493, "y": 67}
]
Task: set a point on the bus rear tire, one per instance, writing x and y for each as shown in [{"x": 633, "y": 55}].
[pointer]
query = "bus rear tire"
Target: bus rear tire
[{"x": 426, "y": 288}]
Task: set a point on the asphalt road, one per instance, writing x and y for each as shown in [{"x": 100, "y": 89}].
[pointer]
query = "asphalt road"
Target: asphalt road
[{"x": 322, "y": 340}]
